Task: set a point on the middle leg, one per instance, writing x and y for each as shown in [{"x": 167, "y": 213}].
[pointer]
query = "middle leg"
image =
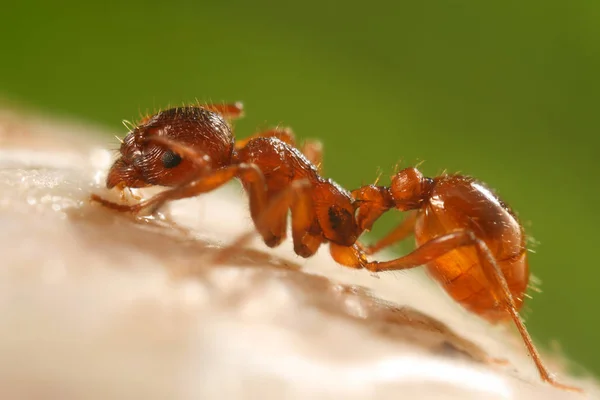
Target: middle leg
[
  {"x": 401, "y": 232},
  {"x": 271, "y": 223}
]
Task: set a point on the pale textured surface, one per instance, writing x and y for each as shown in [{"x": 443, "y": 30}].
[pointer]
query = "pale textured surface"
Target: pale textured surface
[{"x": 97, "y": 305}]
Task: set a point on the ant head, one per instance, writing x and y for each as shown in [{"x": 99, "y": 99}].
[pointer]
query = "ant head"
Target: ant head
[
  {"x": 409, "y": 189},
  {"x": 144, "y": 163}
]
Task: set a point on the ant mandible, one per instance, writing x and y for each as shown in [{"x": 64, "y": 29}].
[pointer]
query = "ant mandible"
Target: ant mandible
[{"x": 470, "y": 240}]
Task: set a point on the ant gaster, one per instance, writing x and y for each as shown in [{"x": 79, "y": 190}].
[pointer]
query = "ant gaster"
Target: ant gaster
[{"x": 470, "y": 241}]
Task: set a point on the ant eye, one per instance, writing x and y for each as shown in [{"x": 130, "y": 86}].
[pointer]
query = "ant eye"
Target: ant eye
[{"x": 170, "y": 159}]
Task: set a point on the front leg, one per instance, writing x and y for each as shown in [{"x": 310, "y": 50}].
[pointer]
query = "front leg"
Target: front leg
[{"x": 206, "y": 183}]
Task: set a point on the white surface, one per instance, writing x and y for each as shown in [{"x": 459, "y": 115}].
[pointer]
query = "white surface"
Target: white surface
[{"x": 97, "y": 305}]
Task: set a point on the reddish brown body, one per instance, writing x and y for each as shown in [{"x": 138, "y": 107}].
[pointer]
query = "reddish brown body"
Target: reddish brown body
[
  {"x": 470, "y": 241},
  {"x": 193, "y": 150},
  {"x": 459, "y": 202},
  {"x": 332, "y": 206}
]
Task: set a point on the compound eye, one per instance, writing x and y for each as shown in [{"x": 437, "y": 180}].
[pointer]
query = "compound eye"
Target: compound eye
[{"x": 170, "y": 159}]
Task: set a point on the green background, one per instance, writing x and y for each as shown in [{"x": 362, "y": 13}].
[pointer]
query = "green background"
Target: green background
[{"x": 505, "y": 91}]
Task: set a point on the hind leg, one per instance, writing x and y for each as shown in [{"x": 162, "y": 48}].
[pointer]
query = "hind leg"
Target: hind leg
[{"x": 435, "y": 248}]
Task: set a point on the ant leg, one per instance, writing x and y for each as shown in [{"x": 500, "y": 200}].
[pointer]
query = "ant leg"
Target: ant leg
[
  {"x": 250, "y": 173},
  {"x": 303, "y": 217},
  {"x": 228, "y": 111},
  {"x": 271, "y": 222},
  {"x": 402, "y": 231},
  {"x": 298, "y": 199},
  {"x": 351, "y": 257},
  {"x": 355, "y": 258},
  {"x": 441, "y": 245},
  {"x": 501, "y": 291}
]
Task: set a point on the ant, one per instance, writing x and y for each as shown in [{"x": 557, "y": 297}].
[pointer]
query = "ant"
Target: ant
[{"x": 470, "y": 241}]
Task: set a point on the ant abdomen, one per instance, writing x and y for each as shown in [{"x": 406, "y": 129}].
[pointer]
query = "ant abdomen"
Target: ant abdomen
[{"x": 459, "y": 203}]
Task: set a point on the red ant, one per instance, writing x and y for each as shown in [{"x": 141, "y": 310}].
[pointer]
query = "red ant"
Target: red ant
[{"x": 470, "y": 241}]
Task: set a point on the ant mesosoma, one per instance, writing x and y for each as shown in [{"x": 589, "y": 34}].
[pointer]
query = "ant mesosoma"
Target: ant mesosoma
[{"x": 470, "y": 241}]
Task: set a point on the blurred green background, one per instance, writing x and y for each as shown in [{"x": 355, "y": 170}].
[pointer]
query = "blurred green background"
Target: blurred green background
[{"x": 505, "y": 91}]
